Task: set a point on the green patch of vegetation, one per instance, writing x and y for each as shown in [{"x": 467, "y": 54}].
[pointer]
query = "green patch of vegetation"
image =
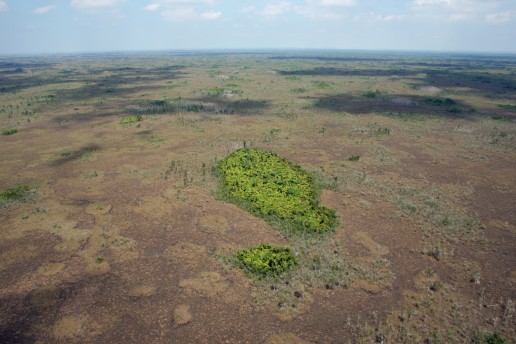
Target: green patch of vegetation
[
  {"x": 275, "y": 131},
  {"x": 440, "y": 101},
  {"x": 299, "y": 90},
  {"x": 371, "y": 94},
  {"x": 17, "y": 193},
  {"x": 354, "y": 157},
  {"x": 131, "y": 119},
  {"x": 155, "y": 139},
  {"x": 266, "y": 260},
  {"x": 321, "y": 84},
  {"x": 158, "y": 107},
  {"x": 507, "y": 107},
  {"x": 490, "y": 338},
  {"x": 454, "y": 109},
  {"x": 216, "y": 91},
  {"x": 383, "y": 131},
  {"x": 9, "y": 132},
  {"x": 501, "y": 118},
  {"x": 274, "y": 189}
]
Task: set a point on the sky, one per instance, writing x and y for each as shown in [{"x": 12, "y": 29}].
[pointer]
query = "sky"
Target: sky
[{"x": 68, "y": 26}]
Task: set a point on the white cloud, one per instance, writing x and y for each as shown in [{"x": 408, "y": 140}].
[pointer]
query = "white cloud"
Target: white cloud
[
  {"x": 273, "y": 10},
  {"x": 179, "y": 10},
  {"x": 249, "y": 9},
  {"x": 318, "y": 13},
  {"x": 314, "y": 9},
  {"x": 453, "y": 10},
  {"x": 178, "y": 3},
  {"x": 88, "y": 4},
  {"x": 45, "y": 9},
  {"x": 152, "y": 7},
  {"x": 376, "y": 17},
  {"x": 3, "y": 6},
  {"x": 331, "y": 2},
  {"x": 498, "y": 18},
  {"x": 211, "y": 15},
  {"x": 179, "y": 14},
  {"x": 434, "y": 2}
]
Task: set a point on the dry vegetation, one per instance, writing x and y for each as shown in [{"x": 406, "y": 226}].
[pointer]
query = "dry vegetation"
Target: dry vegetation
[{"x": 113, "y": 228}]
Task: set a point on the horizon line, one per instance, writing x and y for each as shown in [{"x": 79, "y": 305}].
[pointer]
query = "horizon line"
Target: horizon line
[{"x": 253, "y": 50}]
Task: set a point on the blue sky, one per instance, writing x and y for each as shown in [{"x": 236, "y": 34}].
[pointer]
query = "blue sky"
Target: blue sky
[{"x": 55, "y": 26}]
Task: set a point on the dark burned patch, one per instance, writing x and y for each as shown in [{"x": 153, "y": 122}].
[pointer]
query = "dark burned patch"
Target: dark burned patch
[
  {"x": 200, "y": 105},
  {"x": 330, "y": 58},
  {"x": 30, "y": 316},
  {"x": 482, "y": 82},
  {"x": 330, "y": 71},
  {"x": 392, "y": 104},
  {"x": 31, "y": 256},
  {"x": 81, "y": 153}
]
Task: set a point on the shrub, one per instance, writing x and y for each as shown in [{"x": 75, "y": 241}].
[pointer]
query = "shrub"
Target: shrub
[
  {"x": 274, "y": 188},
  {"x": 266, "y": 260},
  {"x": 490, "y": 338},
  {"x": 158, "y": 107},
  {"x": 383, "y": 131},
  {"x": 9, "y": 131},
  {"x": 321, "y": 84},
  {"x": 507, "y": 106},
  {"x": 501, "y": 118},
  {"x": 17, "y": 193},
  {"x": 131, "y": 119},
  {"x": 354, "y": 157},
  {"x": 370, "y": 94},
  {"x": 440, "y": 101},
  {"x": 216, "y": 91}
]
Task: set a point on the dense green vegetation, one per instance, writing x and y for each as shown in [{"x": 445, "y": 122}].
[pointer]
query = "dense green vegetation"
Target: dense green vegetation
[
  {"x": 266, "y": 260},
  {"x": 507, "y": 106},
  {"x": 17, "y": 193},
  {"x": 275, "y": 189},
  {"x": 490, "y": 338},
  {"x": 9, "y": 131},
  {"x": 131, "y": 119},
  {"x": 440, "y": 101},
  {"x": 158, "y": 107}
]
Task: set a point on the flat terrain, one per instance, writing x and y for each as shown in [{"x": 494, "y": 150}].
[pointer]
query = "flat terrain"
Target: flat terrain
[{"x": 123, "y": 239}]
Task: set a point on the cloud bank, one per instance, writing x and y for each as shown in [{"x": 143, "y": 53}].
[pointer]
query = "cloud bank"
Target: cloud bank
[
  {"x": 45, "y": 9},
  {"x": 92, "y": 4},
  {"x": 3, "y": 6}
]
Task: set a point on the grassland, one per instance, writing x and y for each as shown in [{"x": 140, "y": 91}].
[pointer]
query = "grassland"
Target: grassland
[{"x": 117, "y": 227}]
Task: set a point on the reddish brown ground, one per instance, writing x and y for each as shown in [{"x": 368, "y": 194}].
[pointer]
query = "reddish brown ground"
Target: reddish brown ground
[{"x": 120, "y": 247}]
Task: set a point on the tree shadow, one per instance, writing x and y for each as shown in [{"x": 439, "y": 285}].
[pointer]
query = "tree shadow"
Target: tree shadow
[
  {"x": 82, "y": 153},
  {"x": 206, "y": 105},
  {"x": 394, "y": 105},
  {"x": 482, "y": 83},
  {"x": 332, "y": 71}
]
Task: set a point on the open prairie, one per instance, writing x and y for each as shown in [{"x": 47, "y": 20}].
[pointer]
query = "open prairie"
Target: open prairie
[{"x": 113, "y": 228}]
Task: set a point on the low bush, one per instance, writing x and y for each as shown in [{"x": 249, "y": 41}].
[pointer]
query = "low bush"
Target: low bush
[
  {"x": 9, "y": 131},
  {"x": 131, "y": 119},
  {"x": 266, "y": 260},
  {"x": 275, "y": 189},
  {"x": 17, "y": 193},
  {"x": 440, "y": 101}
]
